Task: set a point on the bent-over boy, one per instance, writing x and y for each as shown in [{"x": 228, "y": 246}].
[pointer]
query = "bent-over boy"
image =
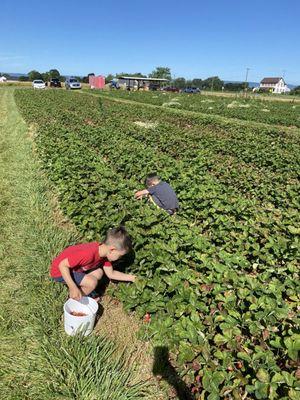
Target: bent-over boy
[
  {"x": 81, "y": 267},
  {"x": 160, "y": 193}
]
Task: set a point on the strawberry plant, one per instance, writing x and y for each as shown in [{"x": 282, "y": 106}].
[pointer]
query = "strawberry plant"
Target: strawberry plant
[{"x": 219, "y": 282}]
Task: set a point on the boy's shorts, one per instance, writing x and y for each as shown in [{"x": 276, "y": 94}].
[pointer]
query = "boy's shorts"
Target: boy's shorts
[{"x": 76, "y": 276}]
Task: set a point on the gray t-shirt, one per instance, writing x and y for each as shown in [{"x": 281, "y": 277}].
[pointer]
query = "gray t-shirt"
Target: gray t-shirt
[{"x": 164, "y": 196}]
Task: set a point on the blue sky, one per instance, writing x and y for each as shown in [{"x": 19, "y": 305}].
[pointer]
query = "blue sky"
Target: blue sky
[{"x": 193, "y": 38}]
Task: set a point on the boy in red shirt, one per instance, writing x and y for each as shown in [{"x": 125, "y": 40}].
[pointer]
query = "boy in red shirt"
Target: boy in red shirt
[{"x": 81, "y": 266}]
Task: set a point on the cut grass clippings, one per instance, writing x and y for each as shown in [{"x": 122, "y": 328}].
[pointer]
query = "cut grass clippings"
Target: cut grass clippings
[{"x": 38, "y": 360}]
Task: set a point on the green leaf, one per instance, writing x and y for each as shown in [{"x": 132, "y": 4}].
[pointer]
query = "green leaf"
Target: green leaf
[
  {"x": 244, "y": 356},
  {"x": 289, "y": 379},
  {"x": 263, "y": 375},
  {"x": 220, "y": 339},
  {"x": 277, "y": 378},
  {"x": 294, "y": 230}
]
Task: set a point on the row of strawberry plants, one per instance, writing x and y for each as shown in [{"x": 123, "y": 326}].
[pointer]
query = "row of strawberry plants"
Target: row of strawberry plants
[
  {"x": 266, "y": 147},
  {"x": 267, "y": 182},
  {"x": 282, "y": 244},
  {"x": 207, "y": 291},
  {"x": 272, "y": 219},
  {"x": 220, "y": 211},
  {"x": 285, "y": 113}
]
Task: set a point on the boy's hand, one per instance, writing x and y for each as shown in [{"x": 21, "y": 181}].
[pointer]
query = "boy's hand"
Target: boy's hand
[
  {"x": 75, "y": 293},
  {"x": 140, "y": 193}
]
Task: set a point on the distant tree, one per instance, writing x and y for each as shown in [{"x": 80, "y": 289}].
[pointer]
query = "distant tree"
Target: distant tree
[
  {"x": 212, "y": 83},
  {"x": 45, "y": 76},
  {"x": 295, "y": 91},
  {"x": 109, "y": 78},
  {"x": 197, "y": 82},
  {"x": 23, "y": 78},
  {"x": 137, "y": 74},
  {"x": 236, "y": 86},
  {"x": 161, "y": 73},
  {"x": 32, "y": 75},
  {"x": 7, "y": 76},
  {"x": 54, "y": 73},
  {"x": 179, "y": 83}
]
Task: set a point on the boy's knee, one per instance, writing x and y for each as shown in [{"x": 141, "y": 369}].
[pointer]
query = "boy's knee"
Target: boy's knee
[{"x": 90, "y": 282}]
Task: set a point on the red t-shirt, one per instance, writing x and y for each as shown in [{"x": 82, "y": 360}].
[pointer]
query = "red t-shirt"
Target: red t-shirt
[{"x": 82, "y": 257}]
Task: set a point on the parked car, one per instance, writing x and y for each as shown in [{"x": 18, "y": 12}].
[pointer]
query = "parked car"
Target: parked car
[
  {"x": 55, "y": 82},
  {"x": 191, "y": 90},
  {"x": 72, "y": 83},
  {"x": 38, "y": 84},
  {"x": 171, "y": 89}
]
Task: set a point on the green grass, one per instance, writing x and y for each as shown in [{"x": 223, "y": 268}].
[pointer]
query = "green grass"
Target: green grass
[{"x": 38, "y": 361}]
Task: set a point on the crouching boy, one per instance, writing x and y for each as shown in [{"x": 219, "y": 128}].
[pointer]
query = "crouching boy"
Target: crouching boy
[
  {"x": 81, "y": 267},
  {"x": 160, "y": 193}
]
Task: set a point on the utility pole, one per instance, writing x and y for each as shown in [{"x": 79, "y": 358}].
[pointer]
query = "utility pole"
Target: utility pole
[{"x": 246, "y": 79}]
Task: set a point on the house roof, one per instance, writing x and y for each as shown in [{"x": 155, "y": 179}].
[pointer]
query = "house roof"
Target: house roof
[{"x": 271, "y": 80}]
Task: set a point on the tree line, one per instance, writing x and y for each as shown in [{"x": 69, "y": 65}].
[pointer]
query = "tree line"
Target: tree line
[
  {"x": 213, "y": 83},
  {"x": 46, "y": 76}
]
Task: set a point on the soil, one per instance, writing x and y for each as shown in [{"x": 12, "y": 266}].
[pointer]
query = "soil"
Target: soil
[{"x": 122, "y": 328}]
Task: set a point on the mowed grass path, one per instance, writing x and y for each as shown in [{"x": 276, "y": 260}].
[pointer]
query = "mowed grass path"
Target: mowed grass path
[{"x": 38, "y": 361}]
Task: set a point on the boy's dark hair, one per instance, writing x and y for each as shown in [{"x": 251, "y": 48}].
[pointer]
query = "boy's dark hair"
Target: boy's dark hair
[
  {"x": 151, "y": 178},
  {"x": 119, "y": 238}
]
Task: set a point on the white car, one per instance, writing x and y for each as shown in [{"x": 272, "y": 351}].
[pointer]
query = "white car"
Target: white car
[
  {"x": 38, "y": 84},
  {"x": 72, "y": 83}
]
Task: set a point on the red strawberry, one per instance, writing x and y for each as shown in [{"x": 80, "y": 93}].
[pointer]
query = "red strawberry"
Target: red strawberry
[
  {"x": 147, "y": 318},
  {"x": 239, "y": 364}
]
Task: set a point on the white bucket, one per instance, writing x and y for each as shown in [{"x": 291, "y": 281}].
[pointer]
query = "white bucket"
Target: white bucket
[{"x": 85, "y": 324}]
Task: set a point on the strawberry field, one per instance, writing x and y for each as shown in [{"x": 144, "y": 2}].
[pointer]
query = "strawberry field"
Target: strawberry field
[
  {"x": 251, "y": 109},
  {"x": 219, "y": 282}
]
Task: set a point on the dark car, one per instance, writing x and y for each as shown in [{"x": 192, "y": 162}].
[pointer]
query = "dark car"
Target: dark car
[
  {"x": 191, "y": 90},
  {"x": 55, "y": 82},
  {"x": 171, "y": 89}
]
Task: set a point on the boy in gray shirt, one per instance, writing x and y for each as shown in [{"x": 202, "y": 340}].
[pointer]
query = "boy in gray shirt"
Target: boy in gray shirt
[{"x": 160, "y": 193}]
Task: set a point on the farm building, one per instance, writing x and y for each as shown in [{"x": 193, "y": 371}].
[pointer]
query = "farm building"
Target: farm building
[
  {"x": 274, "y": 85},
  {"x": 136, "y": 82},
  {"x": 96, "y": 82}
]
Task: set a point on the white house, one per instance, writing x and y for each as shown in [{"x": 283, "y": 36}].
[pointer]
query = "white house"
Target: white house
[
  {"x": 274, "y": 85},
  {"x": 3, "y": 79}
]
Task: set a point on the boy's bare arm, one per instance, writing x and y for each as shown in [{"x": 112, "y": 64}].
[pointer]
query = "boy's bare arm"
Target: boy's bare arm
[
  {"x": 140, "y": 193},
  {"x": 117, "y": 275},
  {"x": 74, "y": 291}
]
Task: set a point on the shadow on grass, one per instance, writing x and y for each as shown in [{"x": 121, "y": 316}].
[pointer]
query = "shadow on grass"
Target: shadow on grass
[
  {"x": 164, "y": 369},
  {"x": 99, "y": 313}
]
